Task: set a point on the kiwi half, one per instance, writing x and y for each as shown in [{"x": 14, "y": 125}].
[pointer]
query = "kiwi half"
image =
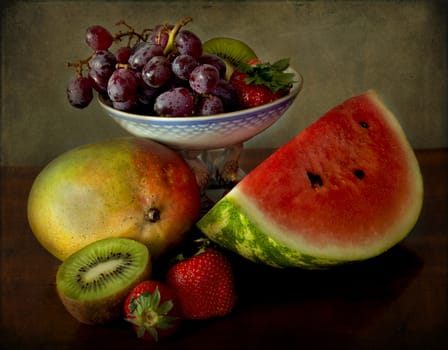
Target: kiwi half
[
  {"x": 93, "y": 282},
  {"x": 232, "y": 51}
]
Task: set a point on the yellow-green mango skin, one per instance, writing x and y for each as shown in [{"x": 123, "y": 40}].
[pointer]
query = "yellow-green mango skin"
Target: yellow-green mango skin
[{"x": 107, "y": 189}]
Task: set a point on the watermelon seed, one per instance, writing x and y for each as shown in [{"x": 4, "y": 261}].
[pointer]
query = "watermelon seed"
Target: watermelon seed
[
  {"x": 364, "y": 124},
  {"x": 359, "y": 174},
  {"x": 315, "y": 179}
]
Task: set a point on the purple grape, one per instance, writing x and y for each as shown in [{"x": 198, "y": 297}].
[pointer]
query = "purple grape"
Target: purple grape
[
  {"x": 143, "y": 54},
  {"x": 103, "y": 60},
  {"x": 122, "y": 54},
  {"x": 122, "y": 86},
  {"x": 98, "y": 38},
  {"x": 216, "y": 61},
  {"x": 157, "y": 71},
  {"x": 183, "y": 65},
  {"x": 177, "y": 102},
  {"x": 204, "y": 78},
  {"x": 146, "y": 94},
  {"x": 188, "y": 43},
  {"x": 99, "y": 82},
  {"x": 79, "y": 92},
  {"x": 209, "y": 105},
  {"x": 124, "y": 105},
  {"x": 137, "y": 46},
  {"x": 102, "y": 65},
  {"x": 227, "y": 93},
  {"x": 160, "y": 35},
  {"x": 176, "y": 82}
]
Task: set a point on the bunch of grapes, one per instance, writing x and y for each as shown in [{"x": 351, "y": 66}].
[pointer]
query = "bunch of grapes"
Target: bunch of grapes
[{"x": 161, "y": 71}]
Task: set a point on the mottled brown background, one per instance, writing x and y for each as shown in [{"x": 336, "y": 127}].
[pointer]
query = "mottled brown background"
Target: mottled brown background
[{"x": 342, "y": 48}]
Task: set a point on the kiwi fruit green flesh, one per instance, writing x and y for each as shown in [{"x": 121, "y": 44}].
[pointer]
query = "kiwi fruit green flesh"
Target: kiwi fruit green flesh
[
  {"x": 232, "y": 51},
  {"x": 94, "y": 282}
]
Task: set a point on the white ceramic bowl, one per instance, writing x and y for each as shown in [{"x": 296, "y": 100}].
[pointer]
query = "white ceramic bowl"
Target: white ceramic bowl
[{"x": 206, "y": 132}]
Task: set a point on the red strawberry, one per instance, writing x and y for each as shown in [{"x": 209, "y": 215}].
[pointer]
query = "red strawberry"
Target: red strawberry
[
  {"x": 204, "y": 285},
  {"x": 259, "y": 83},
  {"x": 151, "y": 307}
]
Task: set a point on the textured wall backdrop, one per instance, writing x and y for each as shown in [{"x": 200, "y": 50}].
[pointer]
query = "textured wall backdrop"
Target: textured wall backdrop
[{"x": 342, "y": 48}]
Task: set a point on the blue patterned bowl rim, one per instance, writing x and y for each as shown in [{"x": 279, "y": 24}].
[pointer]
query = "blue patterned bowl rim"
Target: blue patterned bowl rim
[{"x": 297, "y": 86}]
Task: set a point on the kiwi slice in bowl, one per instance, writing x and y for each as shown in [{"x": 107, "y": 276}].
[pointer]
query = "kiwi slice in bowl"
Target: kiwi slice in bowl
[
  {"x": 94, "y": 282},
  {"x": 231, "y": 50}
]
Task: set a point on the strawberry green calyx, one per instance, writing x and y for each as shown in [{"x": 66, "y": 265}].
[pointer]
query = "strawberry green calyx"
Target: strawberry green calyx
[
  {"x": 149, "y": 315},
  {"x": 273, "y": 76}
]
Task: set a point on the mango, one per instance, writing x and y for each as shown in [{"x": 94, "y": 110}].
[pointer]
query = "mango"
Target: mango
[{"x": 124, "y": 187}]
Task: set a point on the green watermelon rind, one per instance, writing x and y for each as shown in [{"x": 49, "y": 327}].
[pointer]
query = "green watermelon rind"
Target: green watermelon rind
[
  {"x": 227, "y": 225},
  {"x": 240, "y": 223}
]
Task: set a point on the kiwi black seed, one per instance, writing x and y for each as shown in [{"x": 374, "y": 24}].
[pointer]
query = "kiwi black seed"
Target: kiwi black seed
[
  {"x": 93, "y": 282},
  {"x": 232, "y": 51}
]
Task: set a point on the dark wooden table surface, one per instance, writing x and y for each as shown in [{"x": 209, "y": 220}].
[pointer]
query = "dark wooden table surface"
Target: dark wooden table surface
[{"x": 395, "y": 301}]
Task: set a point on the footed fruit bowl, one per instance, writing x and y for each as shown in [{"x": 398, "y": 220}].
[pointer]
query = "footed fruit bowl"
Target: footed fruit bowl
[
  {"x": 196, "y": 138},
  {"x": 205, "y": 132}
]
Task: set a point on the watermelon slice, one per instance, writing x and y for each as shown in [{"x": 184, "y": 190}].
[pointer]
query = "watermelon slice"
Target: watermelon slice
[{"x": 345, "y": 189}]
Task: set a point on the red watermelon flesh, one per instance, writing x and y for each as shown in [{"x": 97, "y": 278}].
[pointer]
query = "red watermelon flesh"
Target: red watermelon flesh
[{"x": 347, "y": 188}]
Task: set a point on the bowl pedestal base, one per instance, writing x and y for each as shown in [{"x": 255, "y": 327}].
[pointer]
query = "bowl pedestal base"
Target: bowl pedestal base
[{"x": 215, "y": 170}]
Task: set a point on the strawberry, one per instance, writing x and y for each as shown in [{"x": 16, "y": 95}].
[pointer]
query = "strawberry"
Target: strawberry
[
  {"x": 151, "y": 307},
  {"x": 259, "y": 83},
  {"x": 204, "y": 285}
]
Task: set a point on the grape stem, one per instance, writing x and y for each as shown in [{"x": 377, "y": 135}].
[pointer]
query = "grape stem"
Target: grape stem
[
  {"x": 123, "y": 66},
  {"x": 80, "y": 64},
  {"x": 172, "y": 34},
  {"x": 130, "y": 34}
]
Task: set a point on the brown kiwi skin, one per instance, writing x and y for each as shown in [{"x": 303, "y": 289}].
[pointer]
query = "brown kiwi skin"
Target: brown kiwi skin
[{"x": 104, "y": 311}]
